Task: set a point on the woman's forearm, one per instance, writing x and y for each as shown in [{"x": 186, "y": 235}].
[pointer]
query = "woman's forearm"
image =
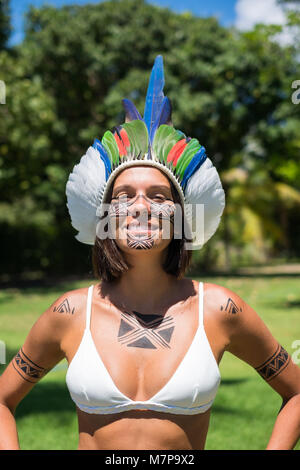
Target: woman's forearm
[
  {"x": 8, "y": 430},
  {"x": 286, "y": 431}
]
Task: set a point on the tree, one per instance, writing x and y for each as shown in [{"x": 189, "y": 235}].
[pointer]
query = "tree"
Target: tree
[
  {"x": 230, "y": 90},
  {"x": 289, "y": 2},
  {"x": 5, "y": 27}
]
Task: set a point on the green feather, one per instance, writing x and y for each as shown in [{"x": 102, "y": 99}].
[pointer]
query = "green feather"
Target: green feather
[
  {"x": 187, "y": 155},
  {"x": 170, "y": 142},
  {"x": 163, "y": 133},
  {"x": 138, "y": 137},
  {"x": 165, "y": 139},
  {"x": 111, "y": 146},
  {"x": 180, "y": 134}
]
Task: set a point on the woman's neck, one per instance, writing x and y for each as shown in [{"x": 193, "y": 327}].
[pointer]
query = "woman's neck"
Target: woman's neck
[{"x": 144, "y": 287}]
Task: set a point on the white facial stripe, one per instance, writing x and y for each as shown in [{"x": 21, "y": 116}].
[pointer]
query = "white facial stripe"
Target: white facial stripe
[
  {"x": 140, "y": 244},
  {"x": 163, "y": 210}
]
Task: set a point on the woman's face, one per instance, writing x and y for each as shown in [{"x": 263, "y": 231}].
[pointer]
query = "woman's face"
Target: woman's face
[{"x": 142, "y": 208}]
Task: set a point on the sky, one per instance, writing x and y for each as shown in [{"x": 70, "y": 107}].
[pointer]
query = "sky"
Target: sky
[{"x": 243, "y": 14}]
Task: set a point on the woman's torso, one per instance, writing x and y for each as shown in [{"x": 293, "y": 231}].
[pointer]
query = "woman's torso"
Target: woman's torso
[{"x": 140, "y": 368}]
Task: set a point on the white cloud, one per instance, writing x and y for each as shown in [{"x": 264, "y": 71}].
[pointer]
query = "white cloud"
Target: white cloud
[{"x": 251, "y": 12}]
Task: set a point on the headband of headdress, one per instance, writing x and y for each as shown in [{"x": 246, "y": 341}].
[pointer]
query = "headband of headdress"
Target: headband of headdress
[{"x": 151, "y": 141}]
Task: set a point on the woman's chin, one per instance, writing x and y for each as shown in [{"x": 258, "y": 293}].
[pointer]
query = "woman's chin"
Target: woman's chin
[
  {"x": 129, "y": 239},
  {"x": 140, "y": 239}
]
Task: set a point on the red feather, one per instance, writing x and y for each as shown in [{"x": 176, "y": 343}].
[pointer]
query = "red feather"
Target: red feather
[
  {"x": 176, "y": 151},
  {"x": 123, "y": 142},
  {"x": 124, "y": 137}
]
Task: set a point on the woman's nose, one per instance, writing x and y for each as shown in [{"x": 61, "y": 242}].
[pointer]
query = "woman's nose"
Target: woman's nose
[{"x": 140, "y": 206}]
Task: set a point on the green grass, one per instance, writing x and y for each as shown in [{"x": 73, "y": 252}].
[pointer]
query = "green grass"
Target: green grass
[{"x": 245, "y": 408}]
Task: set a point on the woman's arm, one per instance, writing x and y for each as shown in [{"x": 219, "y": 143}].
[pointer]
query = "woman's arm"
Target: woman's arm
[
  {"x": 41, "y": 352},
  {"x": 283, "y": 436},
  {"x": 249, "y": 339},
  {"x": 8, "y": 430}
]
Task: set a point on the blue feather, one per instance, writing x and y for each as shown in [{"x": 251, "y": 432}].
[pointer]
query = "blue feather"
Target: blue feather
[
  {"x": 164, "y": 117},
  {"x": 155, "y": 95},
  {"x": 130, "y": 110},
  {"x": 104, "y": 157},
  {"x": 193, "y": 166}
]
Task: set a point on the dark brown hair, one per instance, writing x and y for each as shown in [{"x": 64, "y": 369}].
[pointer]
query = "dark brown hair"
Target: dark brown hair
[{"x": 109, "y": 263}]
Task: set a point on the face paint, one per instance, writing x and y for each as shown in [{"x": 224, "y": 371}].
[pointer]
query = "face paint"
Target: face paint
[
  {"x": 137, "y": 237},
  {"x": 143, "y": 242},
  {"x": 164, "y": 210}
]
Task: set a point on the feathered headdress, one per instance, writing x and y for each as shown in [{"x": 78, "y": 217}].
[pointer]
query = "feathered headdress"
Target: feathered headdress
[{"x": 151, "y": 140}]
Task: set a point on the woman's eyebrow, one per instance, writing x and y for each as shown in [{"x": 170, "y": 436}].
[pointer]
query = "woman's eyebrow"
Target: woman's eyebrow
[
  {"x": 161, "y": 186},
  {"x": 154, "y": 187},
  {"x": 123, "y": 186}
]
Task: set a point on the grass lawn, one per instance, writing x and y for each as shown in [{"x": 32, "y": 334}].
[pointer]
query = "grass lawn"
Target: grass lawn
[{"x": 245, "y": 407}]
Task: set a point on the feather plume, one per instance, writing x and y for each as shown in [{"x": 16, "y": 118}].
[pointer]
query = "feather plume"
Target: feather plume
[
  {"x": 138, "y": 137},
  {"x": 204, "y": 187},
  {"x": 104, "y": 157},
  {"x": 131, "y": 113},
  {"x": 82, "y": 192},
  {"x": 187, "y": 156},
  {"x": 155, "y": 96},
  {"x": 164, "y": 117},
  {"x": 111, "y": 147},
  {"x": 182, "y": 159},
  {"x": 193, "y": 166}
]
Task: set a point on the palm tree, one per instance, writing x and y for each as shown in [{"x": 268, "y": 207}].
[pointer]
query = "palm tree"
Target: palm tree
[{"x": 256, "y": 212}]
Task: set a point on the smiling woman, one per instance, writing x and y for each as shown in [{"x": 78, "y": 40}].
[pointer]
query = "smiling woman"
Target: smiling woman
[
  {"x": 139, "y": 197},
  {"x": 144, "y": 344}
]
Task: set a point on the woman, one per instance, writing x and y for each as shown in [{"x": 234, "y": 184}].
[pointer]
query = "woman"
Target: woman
[{"x": 144, "y": 345}]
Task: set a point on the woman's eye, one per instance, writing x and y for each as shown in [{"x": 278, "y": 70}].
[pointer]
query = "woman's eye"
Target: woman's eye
[{"x": 122, "y": 196}]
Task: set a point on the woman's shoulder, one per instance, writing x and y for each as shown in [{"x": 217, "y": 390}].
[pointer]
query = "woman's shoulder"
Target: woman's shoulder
[
  {"x": 69, "y": 301},
  {"x": 216, "y": 291},
  {"x": 219, "y": 299},
  {"x": 66, "y": 309},
  {"x": 46, "y": 336}
]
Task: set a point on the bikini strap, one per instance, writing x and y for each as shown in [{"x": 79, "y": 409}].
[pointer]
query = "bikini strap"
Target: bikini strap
[
  {"x": 201, "y": 304},
  {"x": 89, "y": 307}
]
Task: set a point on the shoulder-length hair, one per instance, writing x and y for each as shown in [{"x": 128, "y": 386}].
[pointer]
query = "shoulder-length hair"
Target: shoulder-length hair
[{"x": 109, "y": 263}]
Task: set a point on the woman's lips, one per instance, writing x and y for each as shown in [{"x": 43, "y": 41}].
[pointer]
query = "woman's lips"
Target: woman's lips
[
  {"x": 141, "y": 232},
  {"x": 133, "y": 227}
]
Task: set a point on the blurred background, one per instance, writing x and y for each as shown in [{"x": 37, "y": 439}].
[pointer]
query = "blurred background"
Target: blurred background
[
  {"x": 230, "y": 68},
  {"x": 232, "y": 73}
]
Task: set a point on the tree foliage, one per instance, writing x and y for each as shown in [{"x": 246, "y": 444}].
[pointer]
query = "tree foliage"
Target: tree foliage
[{"x": 5, "y": 27}]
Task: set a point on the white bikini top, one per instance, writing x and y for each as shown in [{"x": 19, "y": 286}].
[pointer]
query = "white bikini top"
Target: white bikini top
[{"x": 190, "y": 390}]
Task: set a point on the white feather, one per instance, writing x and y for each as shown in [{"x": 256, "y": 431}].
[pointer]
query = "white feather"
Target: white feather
[{"x": 204, "y": 187}]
